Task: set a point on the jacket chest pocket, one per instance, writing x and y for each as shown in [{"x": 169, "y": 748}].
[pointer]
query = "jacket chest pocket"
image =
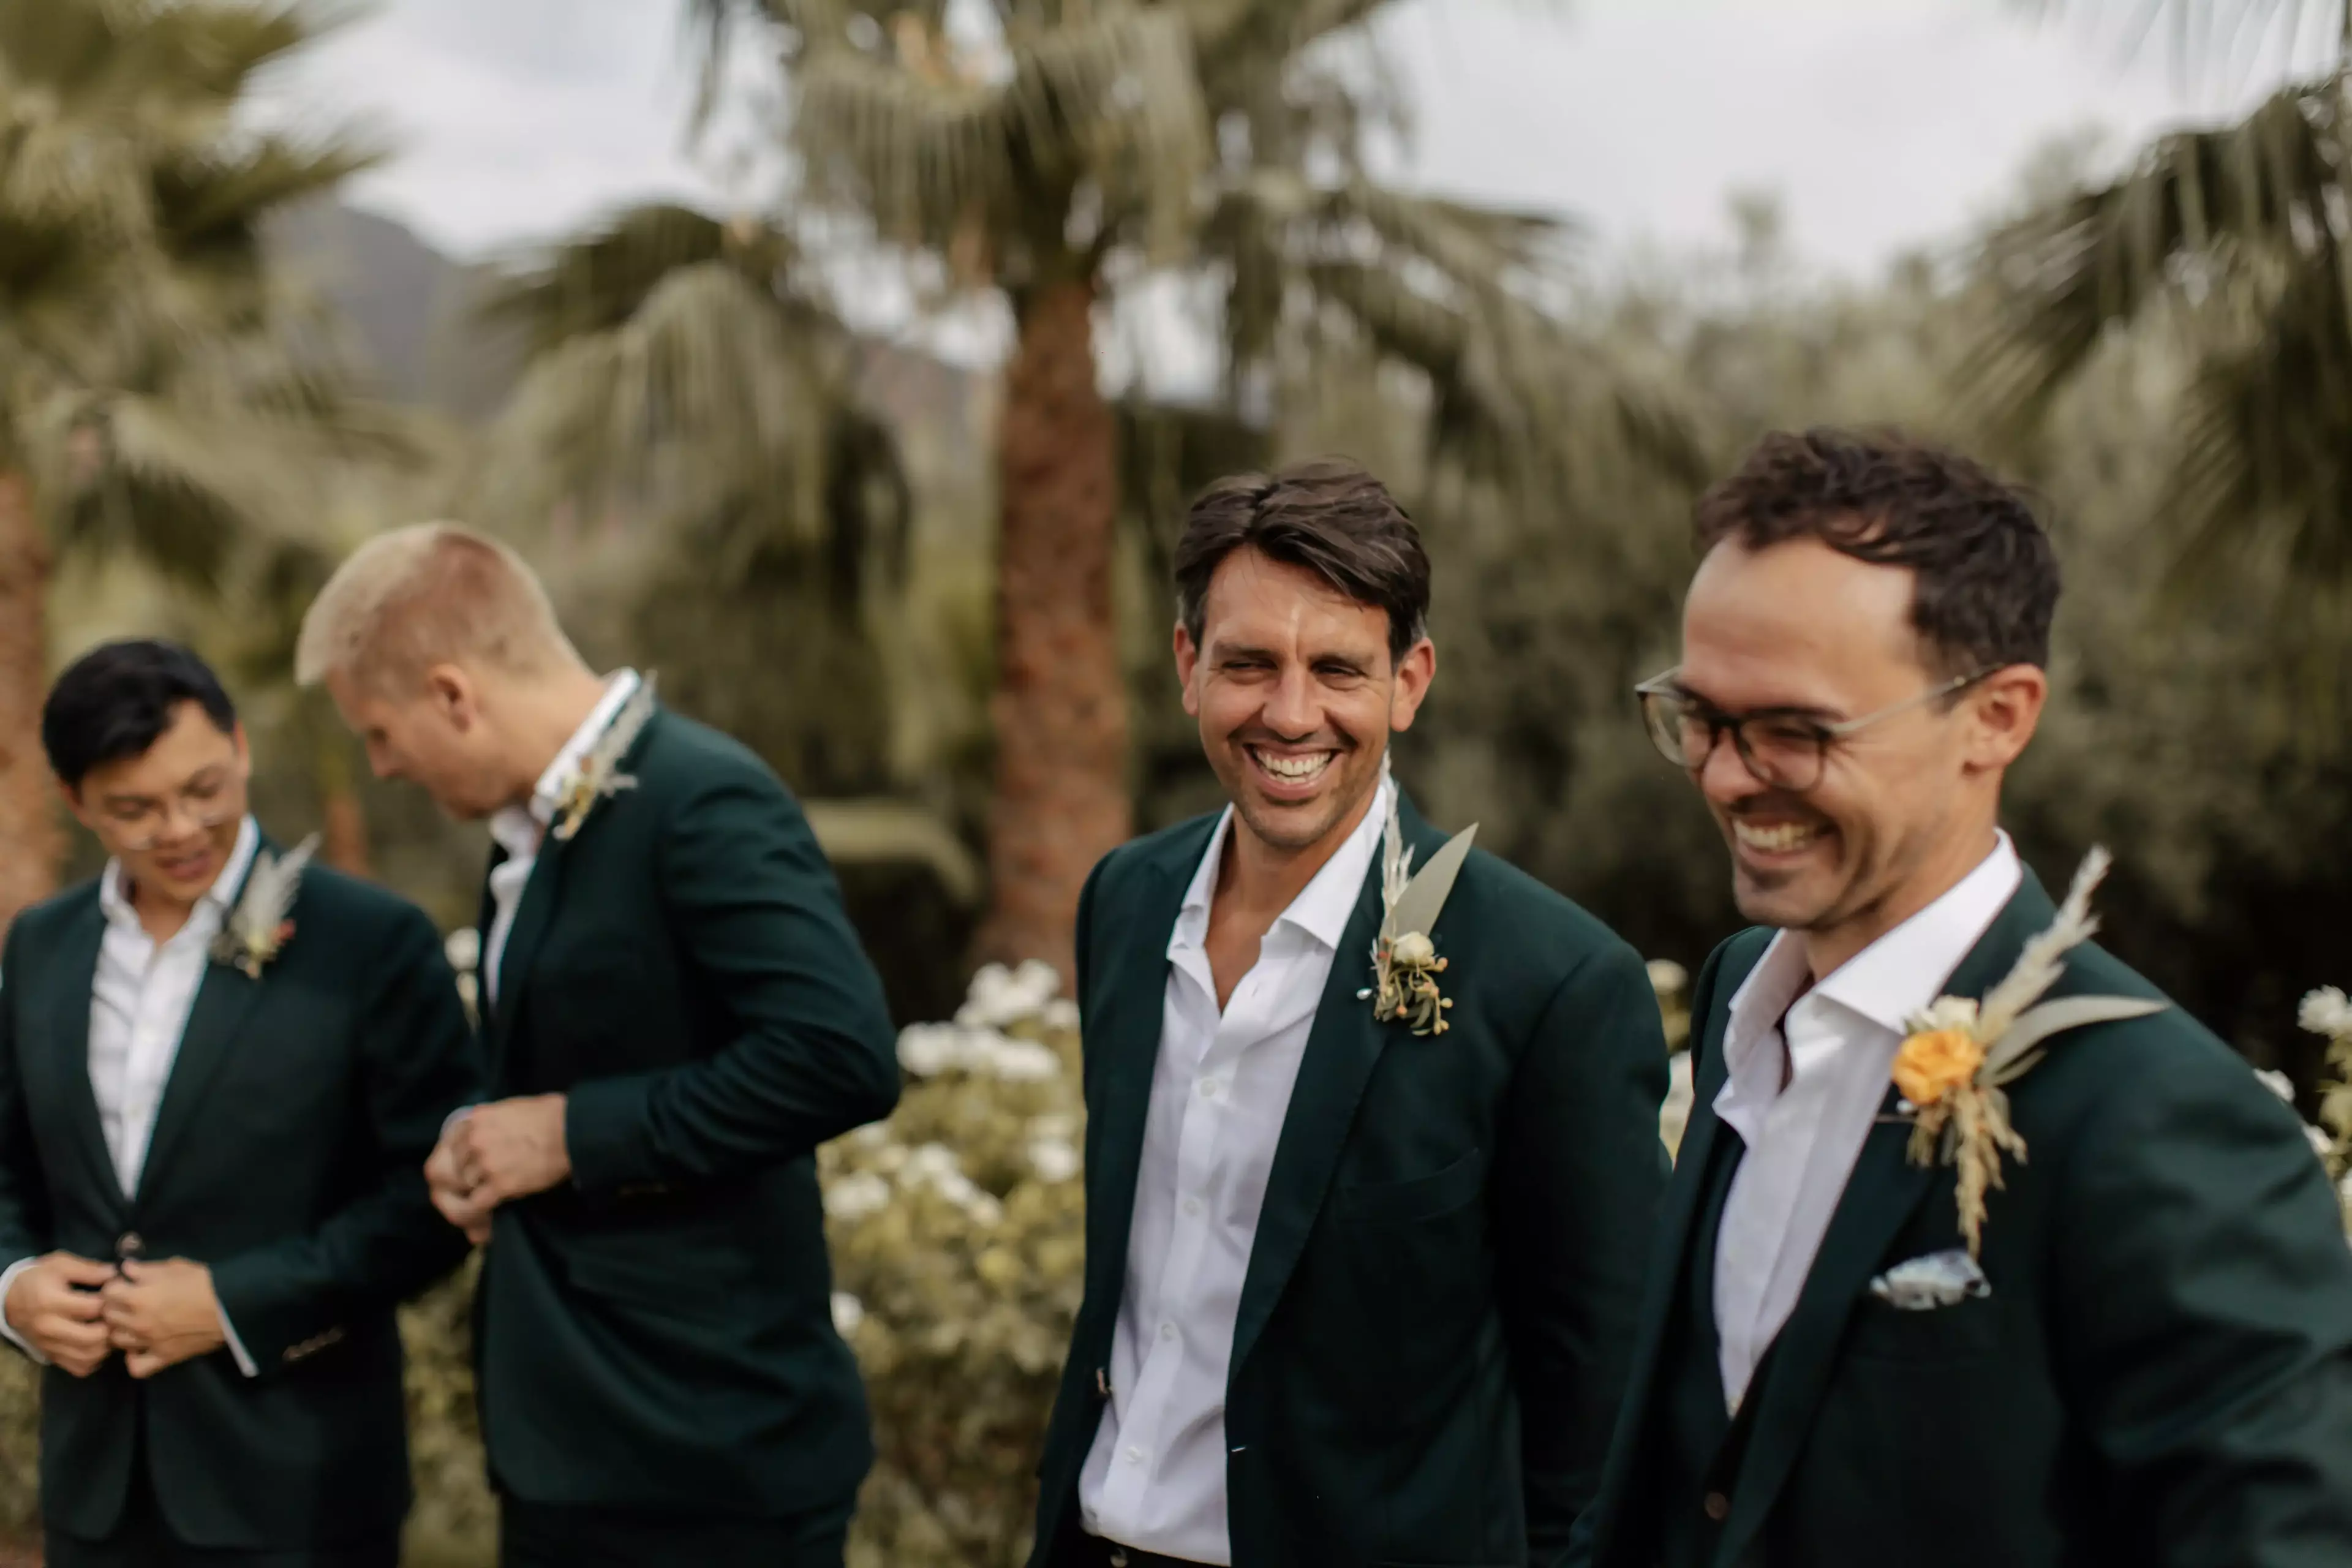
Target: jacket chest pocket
[
  {"x": 1965, "y": 1331},
  {"x": 1416, "y": 1198}
]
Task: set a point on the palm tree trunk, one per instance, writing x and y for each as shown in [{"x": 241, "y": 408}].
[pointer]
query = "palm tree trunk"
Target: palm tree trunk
[
  {"x": 1060, "y": 708},
  {"x": 342, "y": 820},
  {"x": 30, "y": 845}
]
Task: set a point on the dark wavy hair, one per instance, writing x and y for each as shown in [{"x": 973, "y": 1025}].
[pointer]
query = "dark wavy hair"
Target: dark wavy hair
[
  {"x": 1987, "y": 577},
  {"x": 1330, "y": 517}
]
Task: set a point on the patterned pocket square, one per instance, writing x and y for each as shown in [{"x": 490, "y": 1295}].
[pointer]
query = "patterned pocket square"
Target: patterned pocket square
[{"x": 1938, "y": 1279}]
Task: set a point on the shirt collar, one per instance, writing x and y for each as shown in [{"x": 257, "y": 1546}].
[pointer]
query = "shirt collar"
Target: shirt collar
[
  {"x": 115, "y": 895},
  {"x": 1322, "y": 908},
  {"x": 517, "y": 828},
  {"x": 1894, "y": 976}
]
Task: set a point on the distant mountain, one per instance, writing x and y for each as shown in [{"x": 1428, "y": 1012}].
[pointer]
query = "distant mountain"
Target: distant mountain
[
  {"x": 411, "y": 312},
  {"x": 410, "y": 308}
]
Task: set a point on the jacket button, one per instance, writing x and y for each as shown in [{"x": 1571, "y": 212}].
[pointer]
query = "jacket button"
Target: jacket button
[
  {"x": 1716, "y": 1507},
  {"x": 129, "y": 1246}
]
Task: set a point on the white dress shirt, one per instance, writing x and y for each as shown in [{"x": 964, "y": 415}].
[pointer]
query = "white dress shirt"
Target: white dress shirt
[
  {"x": 518, "y": 830},
  {"x": 140, "y": 995},
  {"x": 1809, "y": 1071},
  {"x": 1155, "y": 1479}
]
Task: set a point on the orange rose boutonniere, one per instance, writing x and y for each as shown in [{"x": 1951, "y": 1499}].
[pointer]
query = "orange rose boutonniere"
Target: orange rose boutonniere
[{"x": 1955, "y": 1067}]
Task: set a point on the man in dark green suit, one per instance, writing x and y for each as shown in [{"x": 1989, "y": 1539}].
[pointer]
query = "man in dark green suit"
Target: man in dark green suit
[
  {"x": 676, "y": 1015},
  {"x": 2140, "y": 1351},
  {"x": 1360, "y": 1286},
  {"x": 219, "y": 1069}
]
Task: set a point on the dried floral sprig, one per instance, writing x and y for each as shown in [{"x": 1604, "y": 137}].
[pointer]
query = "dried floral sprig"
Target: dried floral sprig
[{"x": 1955, "y": 1067}]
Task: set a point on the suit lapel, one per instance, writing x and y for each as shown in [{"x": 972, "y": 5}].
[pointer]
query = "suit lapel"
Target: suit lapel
[
  {"x": 75, "y": 977},
  {"x": 540, "y": 894},
  {"x": 1343, "y": 1047},
  {"x": 1123, "y": 1051},
  {"x": 1880, "y": 1197},
  {"x": 530, "y": 922},
  {"x": 223, "y": 998}
]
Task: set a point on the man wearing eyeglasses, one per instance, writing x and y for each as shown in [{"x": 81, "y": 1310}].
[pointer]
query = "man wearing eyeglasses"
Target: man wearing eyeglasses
[
  {"x": 214, "y": 1109},
  {"x": 2149, "y": 1358}
]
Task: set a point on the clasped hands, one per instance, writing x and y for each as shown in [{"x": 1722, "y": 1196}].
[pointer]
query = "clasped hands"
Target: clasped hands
[
  {"x": 493, "y": 1154},
  {"x": 78, "y": 1311}
]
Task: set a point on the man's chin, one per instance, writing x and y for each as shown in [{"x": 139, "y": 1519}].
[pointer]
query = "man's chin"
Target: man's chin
[
  {"x": 1288, "y": 825},
  {"x": 1785, "y": 901}
]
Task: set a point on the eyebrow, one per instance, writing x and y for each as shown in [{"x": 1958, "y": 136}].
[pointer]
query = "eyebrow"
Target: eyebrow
[
  {"x": 202, "y": 775},
  {"x": 1775, "y": 710}
]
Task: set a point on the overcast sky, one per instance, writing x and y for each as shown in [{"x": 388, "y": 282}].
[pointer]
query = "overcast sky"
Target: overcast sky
[{"x": 1879, "y": 124}]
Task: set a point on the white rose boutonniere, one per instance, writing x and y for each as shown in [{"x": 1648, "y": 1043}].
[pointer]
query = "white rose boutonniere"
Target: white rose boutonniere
[
  {"x": 1405, "y": 962},
  {"x": 257, "y": 928}
]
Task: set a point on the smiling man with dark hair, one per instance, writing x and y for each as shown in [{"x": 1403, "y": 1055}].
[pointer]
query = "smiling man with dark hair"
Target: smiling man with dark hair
[
  {"x": 2139, "y": 1349},
  {"x": 1363, "y": 1236},
  {"x": 220, "y": 1070}
]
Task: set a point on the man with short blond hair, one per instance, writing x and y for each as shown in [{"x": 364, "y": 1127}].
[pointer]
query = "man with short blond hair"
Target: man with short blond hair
[{"x": 677, "y": 1013}]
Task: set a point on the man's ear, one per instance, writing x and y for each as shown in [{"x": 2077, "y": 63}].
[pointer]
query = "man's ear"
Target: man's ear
[
  {"x": 2003, "y": 711},
  {"x": 450, "y": 688},
  {"x": 1188, "y": 659},
  {"x": 1414, "y": 672}
]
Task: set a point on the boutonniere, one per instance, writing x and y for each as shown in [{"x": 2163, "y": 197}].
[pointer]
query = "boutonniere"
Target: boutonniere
[
  {"x": 257, "y": 928},
  {"x": 1405, "y": 965},
  {"x": 1956, "y": 1066},
  {"x": 599, "y": 774}
]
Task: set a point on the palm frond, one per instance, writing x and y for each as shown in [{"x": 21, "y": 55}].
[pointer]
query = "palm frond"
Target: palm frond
[
  {"x": 704, "y": 386},
  {"x": 1113, "y": 99},
  {"x": 599, "y": 282},
  {"x": 2199, "y": 205}
]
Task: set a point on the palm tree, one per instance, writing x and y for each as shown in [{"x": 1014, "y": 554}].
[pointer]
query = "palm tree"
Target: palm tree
[
  {"x": 2240, "y": 237},
  {"x": 1088, "y": 142},
  {"x": 156, "y": 395}
]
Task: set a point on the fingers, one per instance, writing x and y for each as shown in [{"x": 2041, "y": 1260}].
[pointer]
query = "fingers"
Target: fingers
[
  {"x": 143, "y": 1365},
  {"x": 78, "y": 1349},
  {"x": 86, "y": 1272},
  {"x": 478, "y": 1232},
  {"x": 72, "y": 1306}
]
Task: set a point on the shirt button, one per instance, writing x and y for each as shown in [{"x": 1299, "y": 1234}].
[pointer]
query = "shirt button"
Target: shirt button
[
  {"x": 1192, "y": 1205},
  {"x": 1167, "y": 1331},
  {"x": 1208, "y": 1089},
  {"x": 1716, "y": 1507},
  {"x": 1134, "y": 1455}
]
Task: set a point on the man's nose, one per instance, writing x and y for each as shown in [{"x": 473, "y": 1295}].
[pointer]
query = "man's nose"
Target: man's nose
[
  {"x": 1724, "y": 777},
  {"x": 1293, "y": 708}
]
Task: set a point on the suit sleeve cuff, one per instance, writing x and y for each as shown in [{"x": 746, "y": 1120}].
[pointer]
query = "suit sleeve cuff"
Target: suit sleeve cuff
[
  {"x": 8, "y": 1282},
  {"x": 604, "y": 1134},
  {"x": 235, "y": 1346}
]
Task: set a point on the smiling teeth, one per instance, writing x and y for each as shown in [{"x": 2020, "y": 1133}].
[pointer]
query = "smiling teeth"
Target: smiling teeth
[
  {"x": 1784, "y": 836},
  {"x": 1294, "y": 767}
]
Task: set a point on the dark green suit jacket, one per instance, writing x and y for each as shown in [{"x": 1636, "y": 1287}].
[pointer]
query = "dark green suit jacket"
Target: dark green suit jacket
[
  {"x": 288, "y": 1154},
  {"x": 2162, "y": 1375},
  {"x": 1439, "y": 1304},
  {"x": 658, "y": 1331}
]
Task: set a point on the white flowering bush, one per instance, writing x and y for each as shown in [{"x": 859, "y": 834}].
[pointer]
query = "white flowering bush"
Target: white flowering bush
[
  {"x": 2327, "y": 1012},
  {"x": 1670, "y": 982},
  {"x": 958, "y": 1238}
]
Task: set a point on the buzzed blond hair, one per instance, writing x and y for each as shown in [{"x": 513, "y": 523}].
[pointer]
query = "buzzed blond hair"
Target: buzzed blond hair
[{"x": 429, "y": 594}]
